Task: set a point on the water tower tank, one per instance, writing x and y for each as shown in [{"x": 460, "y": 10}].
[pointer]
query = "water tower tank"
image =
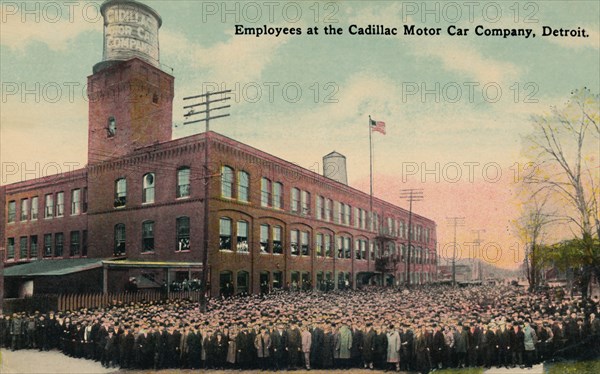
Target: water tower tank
[
  {"x": 130, "y": 30},
  {"x": 334, "y": 167}
]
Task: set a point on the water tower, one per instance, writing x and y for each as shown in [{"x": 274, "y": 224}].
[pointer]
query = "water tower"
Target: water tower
[{"x": 334, "y": 167}]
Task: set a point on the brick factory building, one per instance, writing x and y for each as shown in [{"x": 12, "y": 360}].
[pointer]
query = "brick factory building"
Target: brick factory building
[{"x": 136, "y": 210}]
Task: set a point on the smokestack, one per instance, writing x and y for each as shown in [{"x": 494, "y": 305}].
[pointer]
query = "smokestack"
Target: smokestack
[{"x": 334, "y": 167}]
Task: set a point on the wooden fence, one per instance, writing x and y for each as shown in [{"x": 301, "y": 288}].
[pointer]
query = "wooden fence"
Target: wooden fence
[{"x": 100, "y": 300}]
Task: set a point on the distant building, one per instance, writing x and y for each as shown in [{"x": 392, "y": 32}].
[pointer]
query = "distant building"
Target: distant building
[{"x": 135, "y": 211}]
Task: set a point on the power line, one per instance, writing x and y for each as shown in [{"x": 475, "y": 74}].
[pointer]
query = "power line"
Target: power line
[
  {"x": 411, "y": 195},
  {"x": 456, "y": 222}
]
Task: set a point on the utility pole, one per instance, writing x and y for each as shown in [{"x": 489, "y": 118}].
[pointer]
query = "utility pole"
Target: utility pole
[
  {"x": 477, "y": 247},
  {"x": 455, "y": 221},
  {"x": 410, "y": 195},
  {"x": 205, "y": 100}
]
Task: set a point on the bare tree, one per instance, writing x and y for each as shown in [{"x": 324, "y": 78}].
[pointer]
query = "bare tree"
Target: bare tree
[{"x": 565, "y": 146}]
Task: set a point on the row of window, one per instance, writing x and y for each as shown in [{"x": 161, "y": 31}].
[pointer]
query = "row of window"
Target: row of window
[
  {"x": 300, "y": 280},
  {"x": 54, "y": 206},
  {"x": 299, "y": 243},
  {"x": 236, "y": 186},
  {"x": 182, "y": 237},
  {"x": 182, "y": 189},
  {"x": 51, "y": 246}
]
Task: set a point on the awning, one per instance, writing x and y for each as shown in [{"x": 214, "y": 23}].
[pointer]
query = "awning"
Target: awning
[
  {"x": 43, "y": 268},
  {"x": 150, "y": 264}
]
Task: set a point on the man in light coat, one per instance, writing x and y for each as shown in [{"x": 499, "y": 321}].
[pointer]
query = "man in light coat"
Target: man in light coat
[
  {"x": 306, "y": 345},
  {"x": 345, "y": 346},
  {"x": 393, "y": 347}
]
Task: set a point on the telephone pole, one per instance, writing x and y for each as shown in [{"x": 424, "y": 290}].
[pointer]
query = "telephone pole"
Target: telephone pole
[
  {"x": 456, "y": 222},
  {"x": 477, "y": 247},
  {"x": 410, "y": 195},
  {"x": 205, "y": 101}
]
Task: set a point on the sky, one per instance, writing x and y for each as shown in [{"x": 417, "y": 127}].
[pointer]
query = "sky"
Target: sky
[{"x": 456, "y": 108}]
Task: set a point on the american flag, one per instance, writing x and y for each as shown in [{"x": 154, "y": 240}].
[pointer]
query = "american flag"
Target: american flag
[{"x": 378, "y": 126}]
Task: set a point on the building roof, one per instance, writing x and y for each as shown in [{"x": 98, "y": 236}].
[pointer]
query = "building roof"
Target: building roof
[
  {"x": 150, "y": 264},
  {"x": 52, "y": 267}
]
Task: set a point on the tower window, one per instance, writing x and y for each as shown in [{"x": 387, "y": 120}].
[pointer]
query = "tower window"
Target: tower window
[{"x": 111, "y": 127}]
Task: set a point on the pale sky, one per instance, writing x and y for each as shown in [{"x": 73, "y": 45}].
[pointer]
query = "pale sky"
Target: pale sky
[{"x": 455, "y": 107}]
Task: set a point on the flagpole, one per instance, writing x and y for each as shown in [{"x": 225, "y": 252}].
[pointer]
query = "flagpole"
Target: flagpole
[{"x": 371, "y": 174}]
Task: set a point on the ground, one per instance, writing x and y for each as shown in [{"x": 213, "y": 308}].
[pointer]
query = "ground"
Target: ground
[{"x": 54, "y": 362}]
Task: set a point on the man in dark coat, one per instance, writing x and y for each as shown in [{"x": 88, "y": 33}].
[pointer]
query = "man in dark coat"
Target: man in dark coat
[
  {"x": 368, "y": 351},
  {"x": 517, "y": 345},
  {"x": 294, "y": 347},
  {"x": 126, "y": 343},
  {"x": 279, "y": 343},
  {"x": 145, "y": 348},
  {"x": 438, "y": 347},
  {"x": 110, "y": 350},
  {"x": 503, "y": 343},
  {"x": 316, "y": 347},
  {"x": 328, "y": 348},
  {"x": 194, "y": 348},
  {"x": 357, "y": 347},
  {"x": 380, "y": 357}
]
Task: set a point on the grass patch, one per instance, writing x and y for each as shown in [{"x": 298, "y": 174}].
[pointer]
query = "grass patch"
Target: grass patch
[
  {"x": 461, "y": 371},
  {"x": 579, "y": 367}
]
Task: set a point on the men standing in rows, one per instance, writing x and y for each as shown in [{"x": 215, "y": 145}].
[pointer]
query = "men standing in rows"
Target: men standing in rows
[{"x": 393, "y": 348}]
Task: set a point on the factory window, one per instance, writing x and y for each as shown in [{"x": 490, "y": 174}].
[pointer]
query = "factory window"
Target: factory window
[
  {"x": 225, "y": 234},
  {"x": 372, "y": 251},
  {"x": 243, "y": 281},
  {"x": 356, "y": 217},
  {"x": 320, "y": 207},
  {"x": 148, "y": 186},
  {"x": 357, "y": 253},
  {"x": 227, "y": 182},
  {"x": 24, "y": 209},
  {"x": 75, "y": 201},
  {"x": 183, "y": 234},
  {"x": 277, "y": 279},
  {"x": 34, "y": 208},
  {"x": 277, "y": 244},
  {"x": 84, "y": 243},
  {"x": 49, "y": 211},
  {"x": 347, "y": 248},
  {"x": 84, "y": 202},
  {"x": 327, "y": 245},
  {"x": 265, "y": 192},
  {"x": 148, "y": 236},
  {"x": 111, "y": 127},
  {"x": 278, "y": 195},
  {"x": 75, "y": 243},
  {"x": 59, "y": 241},
  {"x": 60, "y": 204},
  {"x": 304, "y": 243},
  {"x": 295, "y": 200},
  {"x": 10, "y": 248},
  {"x": 294, "y": 250},
  {"x": 120, "y": 236},
  {"x": 243, "y": 186},
  {"x": 120, "y": 192},
  {"x": 347, "y": 214},
  {"x": 33, "y": 246},
  {"x": 22, "y": 247},
  {"x": 12, "y": 211},
  {"x": 328, "y": 209},
  {"x": 340, "y": 247},
  {"x": 242, "y": 237},
  {"x": 48, "y": 245},
  {"x": 264, "y": 238},
  {"x": 183, "y": 182},
  {"x": 319, "y": 245},
  {"x": 305, "y": 203}
]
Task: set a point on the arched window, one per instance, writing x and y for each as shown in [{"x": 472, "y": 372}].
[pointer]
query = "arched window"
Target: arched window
[
  {"x": 148, "y": 188},
  {"x": 120, "y": 192},
  {"x": 183, "y": 182},
  {"x": 111, "y": 127},
  {"x": 226, "y": 182},
  {"x": 264, "y": 239},
  {"x": 277, "y": 243},
  {"x": 243, "y": 282},
  {"x": 265, "y": 192},
  {"x": 120, "y": 241}
]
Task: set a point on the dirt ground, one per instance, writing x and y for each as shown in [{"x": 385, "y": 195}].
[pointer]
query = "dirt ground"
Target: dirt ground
[{"x": 54, "y": 362}]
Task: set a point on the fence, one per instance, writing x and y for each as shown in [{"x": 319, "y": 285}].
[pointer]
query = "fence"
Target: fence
[{"x": 92, "y": 300}]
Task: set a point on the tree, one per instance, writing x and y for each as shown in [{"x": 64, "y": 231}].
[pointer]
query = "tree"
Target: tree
[
  {"x": 564, "y": 148},
  {"x": 530, "y": 228}
]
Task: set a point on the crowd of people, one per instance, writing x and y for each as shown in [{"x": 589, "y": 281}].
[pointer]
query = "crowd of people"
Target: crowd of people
[{"x": 412, "y": 330}]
